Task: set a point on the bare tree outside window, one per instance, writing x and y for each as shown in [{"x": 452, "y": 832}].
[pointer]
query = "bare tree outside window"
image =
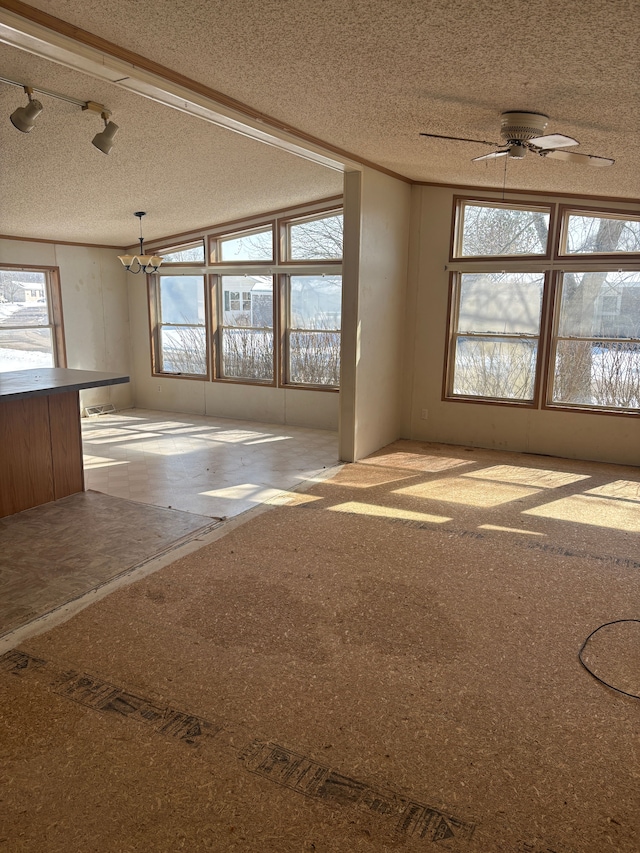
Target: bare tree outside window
[
  {"x": 489, "y": 231},
  {"x": 596, "y": 351}
]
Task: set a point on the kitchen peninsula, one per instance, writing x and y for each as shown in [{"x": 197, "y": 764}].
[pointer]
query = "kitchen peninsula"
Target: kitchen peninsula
[{"x": 40, "y": 435}]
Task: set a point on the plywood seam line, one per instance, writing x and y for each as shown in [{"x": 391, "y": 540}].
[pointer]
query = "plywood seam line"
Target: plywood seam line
[{"x": 37, "y": 32}]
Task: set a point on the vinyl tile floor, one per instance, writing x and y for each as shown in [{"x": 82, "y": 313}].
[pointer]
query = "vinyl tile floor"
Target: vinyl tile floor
[{"x": 213, "y": 467}]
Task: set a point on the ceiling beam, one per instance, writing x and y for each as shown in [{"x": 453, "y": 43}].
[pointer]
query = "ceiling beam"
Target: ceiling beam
[{"x": 29, "y": 29}]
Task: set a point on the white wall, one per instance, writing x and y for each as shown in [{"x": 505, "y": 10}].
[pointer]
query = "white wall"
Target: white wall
[
  {"x": 95, "y": 309},
  {"x": 599, "y": 437},
  {"x": 377, "y": 212},
  {"x": 296, "y": 407}
]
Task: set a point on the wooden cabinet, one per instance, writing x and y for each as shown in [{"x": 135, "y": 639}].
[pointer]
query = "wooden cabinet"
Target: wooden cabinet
[{"x": 40, "y": 435}]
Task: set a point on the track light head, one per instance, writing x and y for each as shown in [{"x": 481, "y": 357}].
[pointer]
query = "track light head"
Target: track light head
[
  {"x": 24, "y": 118},
  {"x": 103, "y": 141}
]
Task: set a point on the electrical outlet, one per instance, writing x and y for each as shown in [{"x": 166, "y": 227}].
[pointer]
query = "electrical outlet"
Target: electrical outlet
[
  {"x": 159, "y": 387},
  {"x": 424, "y": 414}
]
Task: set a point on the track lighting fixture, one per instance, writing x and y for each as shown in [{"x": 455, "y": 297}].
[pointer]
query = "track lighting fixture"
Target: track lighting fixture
[
  {"x": 140, "y": 263},
  {"x": 24, "y": 117},
  {"x": 103, "y": 141}
]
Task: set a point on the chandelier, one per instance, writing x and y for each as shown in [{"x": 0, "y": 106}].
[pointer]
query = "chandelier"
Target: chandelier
[{"x": 141, "y": 263}]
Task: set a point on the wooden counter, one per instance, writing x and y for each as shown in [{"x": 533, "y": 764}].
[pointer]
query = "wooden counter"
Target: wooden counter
[{"x": 40, "y": 435}]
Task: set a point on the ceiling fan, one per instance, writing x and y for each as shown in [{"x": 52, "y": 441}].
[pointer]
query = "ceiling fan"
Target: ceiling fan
[{"x": 521, "y": 132}]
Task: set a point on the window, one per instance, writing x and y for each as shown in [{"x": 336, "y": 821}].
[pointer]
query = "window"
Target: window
[
  {"x": 484, "y": 229},
  {"x": 268, "y": 311},
  {"x": 590, "y": 233},
  {"x": 30, "y": 319},
  {"x": 313, "y": 330},
  {"x": 597, "y": 342},
  {"x": 246, "y": 348},
  {"x": 188, "y": 253},
  {"x": 319, "y": 238},
  {"x": 180, "y": 330},
  {"x": 511, "y": 315},
  {"x": 255, "y": 245},
  {"x": 495, "y": 340}
]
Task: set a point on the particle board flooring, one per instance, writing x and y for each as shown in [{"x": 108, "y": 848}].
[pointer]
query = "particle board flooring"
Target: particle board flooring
[
  {"x": 57, "y": 552},
  {"x": 389, "y": 662}
]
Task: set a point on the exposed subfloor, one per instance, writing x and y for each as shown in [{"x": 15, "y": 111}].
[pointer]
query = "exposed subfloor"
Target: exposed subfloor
[{"x": 388, "y": 662}]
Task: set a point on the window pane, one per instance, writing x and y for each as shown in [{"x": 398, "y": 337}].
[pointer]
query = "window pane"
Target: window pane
[
  {"x": 316, "y": 239},
  {"x": 21, "y": 349},
  {"x": 182, "y": 299},
  {"x": 253, "y": 246},
  {"x": 601, "y": 234},
  {"x": 314, "y": 358},
  {"x": 500, "y": 303},
  {"x": 183, "y": 349},
  {"x": 23, "y": 298},
  {"x": 490, "y": 230},
  {"x": 247, "y": 300},
  {"x": 190, "y": 253},
  {"x": 247, "y": 354},
  {"x": 315, "y": 301},
  {"x": 598, "y": 373},
  {"x": 490, "y": 367},
  {"x": 600, "y": 304}
]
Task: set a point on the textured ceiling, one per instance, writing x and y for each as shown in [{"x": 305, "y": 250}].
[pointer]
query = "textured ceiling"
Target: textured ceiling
[{"x": 364, "y": 75}]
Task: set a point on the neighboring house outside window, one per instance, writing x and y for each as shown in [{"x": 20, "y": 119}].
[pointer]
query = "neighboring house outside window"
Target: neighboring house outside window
[
  {"x": 31, "y": 330},
  {"x": 267, "y": 309}
]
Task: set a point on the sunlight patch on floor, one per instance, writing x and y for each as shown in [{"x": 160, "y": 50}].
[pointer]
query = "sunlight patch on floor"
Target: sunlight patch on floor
[
  {"x": 357, "y": 508},
  {"x": 537, "y": 477},
  {"x": 595, "y": 511},
  {"x": 501, "y": 529},
  {"x": 458, "y": 491}
]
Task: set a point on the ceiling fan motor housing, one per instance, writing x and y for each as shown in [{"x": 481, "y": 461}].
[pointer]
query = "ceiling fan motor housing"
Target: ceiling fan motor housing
[{"x": 519, "y": 127}]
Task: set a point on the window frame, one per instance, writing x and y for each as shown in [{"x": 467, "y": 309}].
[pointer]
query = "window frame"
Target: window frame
[
  {"x": 217, "y": 335},
  {"x": 178, "y": 247},
  {"x": 457, "y": 229},
  {"x": 284, "y": 238},
  {"x": 453, "y": 313},
  {"x": 548, "y": 403},
  {"x": 287, "y": 328},
  {"x": 215, "y": 242},
  {"x": 553, "y": 266},
  {"x": 156, "y": 325},
  {"x": 54, "y": 308},
  {"x": 279, "y": 267},
  {"x": 565, "y": 211}
]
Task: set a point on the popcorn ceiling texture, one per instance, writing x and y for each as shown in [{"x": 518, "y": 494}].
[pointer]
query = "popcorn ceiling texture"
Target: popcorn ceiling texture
[
  {"x": 369, "y": 76},
  {"x": 185, "y": 172}
]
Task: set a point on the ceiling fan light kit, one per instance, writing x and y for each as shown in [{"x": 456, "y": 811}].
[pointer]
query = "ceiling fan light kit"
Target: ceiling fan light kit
[{"x": 524, "y": 131}]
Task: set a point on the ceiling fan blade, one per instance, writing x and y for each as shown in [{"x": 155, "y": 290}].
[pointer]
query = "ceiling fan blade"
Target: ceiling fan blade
[
  {"x": 572, "y": 157},
  {"x": 492, "y": 156},
  {"x": 458, "y": 139},
  {"x": 553, "y": 140}
]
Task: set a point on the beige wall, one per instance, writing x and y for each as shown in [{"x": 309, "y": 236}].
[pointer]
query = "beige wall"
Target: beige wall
[
  {"x": 95, "y": 309},
  {"x": 377, "y": 210},
  {"x": 599, "y": 437}
]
